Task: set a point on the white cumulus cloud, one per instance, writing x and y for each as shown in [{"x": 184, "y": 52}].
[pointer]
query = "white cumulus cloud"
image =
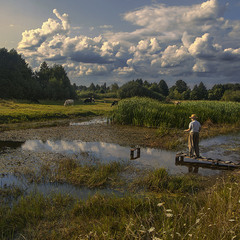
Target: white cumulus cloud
[{"x": 169, "y": 41}]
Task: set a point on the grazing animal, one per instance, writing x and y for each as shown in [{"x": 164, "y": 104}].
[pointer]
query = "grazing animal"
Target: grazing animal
[
  {"x": 68, "y": 102},
  {"x": 89, "y": 100},
  {"x": 114, "y": 103},
  {"x": 177, "y": 103}
]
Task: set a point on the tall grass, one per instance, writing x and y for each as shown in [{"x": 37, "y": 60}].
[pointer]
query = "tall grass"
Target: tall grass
[
  {"x": 212, "y": 213},
  {"x": 160, "y": 181},
  {"x": 92, "y": 176},
  {"x": 152, "y": 113}
]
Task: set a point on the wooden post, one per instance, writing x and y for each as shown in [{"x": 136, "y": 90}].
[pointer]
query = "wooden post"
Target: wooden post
[
  {"x": 138, "y": 152},
  {"x": 132, "y": 154}
]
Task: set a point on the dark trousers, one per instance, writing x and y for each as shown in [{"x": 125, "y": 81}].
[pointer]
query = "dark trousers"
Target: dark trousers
[{"x": 193, "y": 144}]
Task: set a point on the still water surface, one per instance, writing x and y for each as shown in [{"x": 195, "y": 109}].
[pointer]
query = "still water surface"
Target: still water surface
[{"x": 222, "y": 147}]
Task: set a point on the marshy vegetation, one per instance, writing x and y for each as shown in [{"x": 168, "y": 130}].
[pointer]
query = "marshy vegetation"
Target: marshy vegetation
[
  {"x": 148, "y": 204},
  {"x": 157, "y": 206},
  {"x": 152, "y": 113},
  {"x": 169, "y": 120}
]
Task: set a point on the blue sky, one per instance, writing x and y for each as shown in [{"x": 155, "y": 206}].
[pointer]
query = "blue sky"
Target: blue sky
[{"x": 116, "y": 41}]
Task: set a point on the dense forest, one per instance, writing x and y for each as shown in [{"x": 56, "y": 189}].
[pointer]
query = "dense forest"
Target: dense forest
[{"x": 19, "y": 81}]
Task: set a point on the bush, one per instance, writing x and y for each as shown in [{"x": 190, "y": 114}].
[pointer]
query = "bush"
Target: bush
[
  {"x": 134, "y": 89},
  {"x": 230, "y": 95}
]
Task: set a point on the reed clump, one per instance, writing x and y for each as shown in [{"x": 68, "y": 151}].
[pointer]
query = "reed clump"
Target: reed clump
[
  {"x": 152, "y": 113},
  {"x": 92, "y": 176}
]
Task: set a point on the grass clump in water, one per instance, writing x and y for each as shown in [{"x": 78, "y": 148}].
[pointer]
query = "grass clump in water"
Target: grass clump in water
[{"x": 92, "y": 176}]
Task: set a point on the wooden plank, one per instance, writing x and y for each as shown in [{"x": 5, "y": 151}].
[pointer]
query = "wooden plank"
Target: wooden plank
[{"x": 183, "y": 159}]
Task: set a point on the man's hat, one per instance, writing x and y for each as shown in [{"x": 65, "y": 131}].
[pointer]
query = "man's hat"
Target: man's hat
[{"x": 193, "y": 116}]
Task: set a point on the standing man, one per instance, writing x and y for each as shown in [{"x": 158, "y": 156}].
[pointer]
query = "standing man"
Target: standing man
[{"x": 193, "y": 139}]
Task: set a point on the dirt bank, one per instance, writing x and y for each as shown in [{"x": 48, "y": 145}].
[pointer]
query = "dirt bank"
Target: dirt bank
[{"x": 123, "y": 135}]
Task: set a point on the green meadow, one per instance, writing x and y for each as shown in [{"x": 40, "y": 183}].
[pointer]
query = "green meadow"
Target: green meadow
[
  {"x": 20, "y": 111},
  {"x": 134, "y": 111}
]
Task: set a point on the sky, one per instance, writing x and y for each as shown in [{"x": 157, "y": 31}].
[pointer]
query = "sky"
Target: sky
[{"x": 112, "y": 41}]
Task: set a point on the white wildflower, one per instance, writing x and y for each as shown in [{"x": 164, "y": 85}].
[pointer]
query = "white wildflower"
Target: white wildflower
[
  {"x": 156, "y": 238},
  {"x": 160, "y": 204},
  {"x": 232, "y": 220},
  {"x": 168, "y": 210},
  {"x": 169, "y": 215},
  {"x": 152, "y": 229}
]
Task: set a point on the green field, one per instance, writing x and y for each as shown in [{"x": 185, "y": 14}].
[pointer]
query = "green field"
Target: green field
[
  {"x": 15, "y": 111},
  {"x": 134, "y": 111}
]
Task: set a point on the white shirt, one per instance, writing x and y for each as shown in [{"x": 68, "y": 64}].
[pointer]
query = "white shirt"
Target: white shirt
[{"x": 194, "y": 126}]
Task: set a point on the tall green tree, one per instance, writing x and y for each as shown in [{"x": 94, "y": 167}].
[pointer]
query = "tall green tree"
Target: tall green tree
[
  {"x": 163, "y": 88},
  {"x": 194, "y": 93},
  {"x": 92, "y": 87},
  {"x": 16, "y": 77},
  {"x": 202, "y": 91},
  {"x": 114, "y": 87},
  {"x": 181, "y": 86},
  {"x": 216, "y": 92},
  {"x": 55, "y": 83}
]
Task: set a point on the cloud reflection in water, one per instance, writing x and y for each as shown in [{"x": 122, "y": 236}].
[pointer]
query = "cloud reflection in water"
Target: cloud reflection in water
[{"x": 107, "y": 152}]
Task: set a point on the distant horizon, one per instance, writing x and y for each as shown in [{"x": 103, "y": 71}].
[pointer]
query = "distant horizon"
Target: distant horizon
[{"x": 116, "y": 42}]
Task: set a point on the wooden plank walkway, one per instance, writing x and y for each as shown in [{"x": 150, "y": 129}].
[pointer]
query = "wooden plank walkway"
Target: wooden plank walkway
[{"x": 184, "y": 160}]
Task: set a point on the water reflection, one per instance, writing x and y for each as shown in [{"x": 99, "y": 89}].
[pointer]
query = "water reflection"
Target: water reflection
[
  {"x": 10, "y": 144},
  {"x": 90, "y": 122},
  {"x": 83, "y": 193},
  {"x": 106, "y": 152},
  {"x": 225, "y": 147},
  {"x": 32, "y": 152}
]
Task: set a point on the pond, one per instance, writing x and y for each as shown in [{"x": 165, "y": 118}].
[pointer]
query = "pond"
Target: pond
[
  {"x": 222, "y": 147},
  {"x": 17, "y": 155}
]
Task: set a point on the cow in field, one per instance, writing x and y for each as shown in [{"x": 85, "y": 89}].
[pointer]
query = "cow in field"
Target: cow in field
[
  {"x": 68, "y": 102},
  {"x": 177, "y": 103},
  {"x": 89, "y": 100},
  {"x": 114, "y": 103}
]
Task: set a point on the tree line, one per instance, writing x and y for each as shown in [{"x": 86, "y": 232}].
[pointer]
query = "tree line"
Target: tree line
[
  {"x": 19, "y": 81},
  {"x": 161, "y": 91}
]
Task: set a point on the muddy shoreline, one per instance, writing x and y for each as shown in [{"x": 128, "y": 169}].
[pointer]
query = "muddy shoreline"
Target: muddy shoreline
[{"x": 104, "y": 132}]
